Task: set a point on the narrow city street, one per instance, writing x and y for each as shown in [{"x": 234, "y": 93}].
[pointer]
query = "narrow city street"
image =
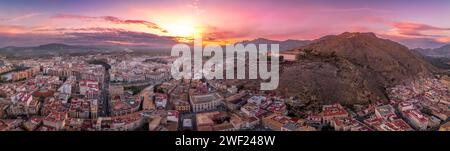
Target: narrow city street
[{"x": 105, "y": 93}]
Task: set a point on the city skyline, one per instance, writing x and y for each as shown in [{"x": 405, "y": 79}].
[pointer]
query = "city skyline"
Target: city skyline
[{"x": 221, "y": 75}]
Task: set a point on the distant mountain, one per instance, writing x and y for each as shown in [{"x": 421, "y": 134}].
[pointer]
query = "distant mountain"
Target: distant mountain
[
  {"x": 57, "y": 49},
  {"x": 284, "y": 45},
  {"x": 351, "y": 68},
  {"x": 56, "y": 46},
  {"x": 52, "y": 49},
  {"x": 443, "y": 51},
  {"x": 439, "y": 57},
  {"x": 163, "y": 47}
]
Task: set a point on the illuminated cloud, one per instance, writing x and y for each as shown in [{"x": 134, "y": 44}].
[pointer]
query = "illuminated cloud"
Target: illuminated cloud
[
  {"x": 411, "y": 34},
  {"x": 21, "y": 17},
  {"x": 90, "y": 29},
  {"x": 111, "y": 19},
  {"x": 444, "y": 39},
  {"x": 118, "y": 37},
  {"x": 417, "y": 29},
  {"x": 214, "y": 33}
]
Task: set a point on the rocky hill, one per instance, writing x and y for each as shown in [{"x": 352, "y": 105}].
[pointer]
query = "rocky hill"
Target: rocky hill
[{"x": 351, "y": 68}]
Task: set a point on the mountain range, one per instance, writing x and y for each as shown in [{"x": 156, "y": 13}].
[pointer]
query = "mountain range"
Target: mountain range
[
  {"x": 284, "y": 45},
  {"x": 443, "y": 51},
  {"x": 55, "y": 49},
  {"x": 52, "y": 49}
]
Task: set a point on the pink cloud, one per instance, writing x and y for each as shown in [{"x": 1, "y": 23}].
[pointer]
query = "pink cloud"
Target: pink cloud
[
  {"x": 416, "y": 26},
  {"x": 90, "y": 29},
  {"x": 412, "y": 34},
  {"x": 112, "y": 19},
  {"x": 21, "y": 17},
  {"x": 214, "y": 33},
  {"x": 142, "y": 22},
  {"x": 72, "y": 16},
  {"x": 416, "y": 29}
]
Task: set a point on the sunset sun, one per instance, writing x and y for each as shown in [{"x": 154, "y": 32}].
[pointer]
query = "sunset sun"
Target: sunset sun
[{"x": 183, "y": 29}]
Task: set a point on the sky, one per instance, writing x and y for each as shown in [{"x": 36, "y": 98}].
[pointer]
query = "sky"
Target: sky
[{"x": 413, "y": 23}]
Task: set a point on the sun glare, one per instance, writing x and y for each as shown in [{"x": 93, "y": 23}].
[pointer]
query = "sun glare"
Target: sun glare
[{"x": 183, "y": 29}]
